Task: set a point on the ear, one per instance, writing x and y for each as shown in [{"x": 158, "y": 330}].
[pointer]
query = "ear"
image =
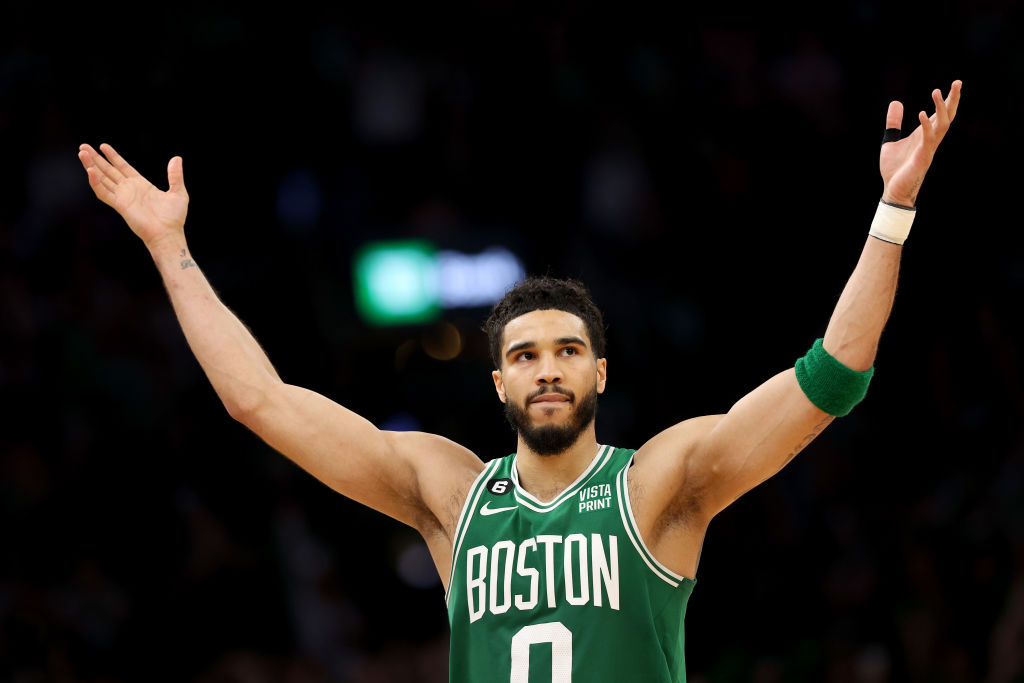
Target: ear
[
  {"x": 499, "y": 385},
  {"x": 602, "y": 374}
]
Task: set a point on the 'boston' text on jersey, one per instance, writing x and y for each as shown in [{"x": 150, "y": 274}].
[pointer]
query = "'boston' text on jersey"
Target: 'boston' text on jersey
[{"x": 588, "y": 573}]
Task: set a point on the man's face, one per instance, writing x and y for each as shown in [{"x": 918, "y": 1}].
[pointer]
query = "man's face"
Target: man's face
[{"x": 549, "y": 379}]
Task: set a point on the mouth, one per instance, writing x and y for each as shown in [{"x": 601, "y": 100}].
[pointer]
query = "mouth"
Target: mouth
[{"x": 551, "y": 398}]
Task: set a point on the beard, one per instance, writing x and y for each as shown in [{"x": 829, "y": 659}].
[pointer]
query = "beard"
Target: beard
[{"x": 552, "y": 439}]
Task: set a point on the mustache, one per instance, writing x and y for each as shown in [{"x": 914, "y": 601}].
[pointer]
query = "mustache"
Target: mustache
[{"x": 551, "y": 389}]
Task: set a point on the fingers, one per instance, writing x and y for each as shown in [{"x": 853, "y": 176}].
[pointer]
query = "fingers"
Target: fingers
[
  {"x": 98, "y": 180},
  {"x": 927, "y": 129},
  {"x": 953, "y": 100},
  {"x": 97, "y": 161},
  {"x": 945, "y": 111},
  {"x": 103, "y": 180},
  {"x": 941, "y": 111},
  {"x": 101, "y": 185},
  {"x": 85, "y": 155},
  {"x": 119, "y": 163},
  {"x": 894, "y": 117}
]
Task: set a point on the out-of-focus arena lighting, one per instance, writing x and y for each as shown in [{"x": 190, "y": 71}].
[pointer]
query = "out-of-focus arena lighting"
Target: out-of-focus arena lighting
[
  {"x": 397, "y": 282},
  {"x": 411, "y": 282},
  {"x": 469, "y": 280}
]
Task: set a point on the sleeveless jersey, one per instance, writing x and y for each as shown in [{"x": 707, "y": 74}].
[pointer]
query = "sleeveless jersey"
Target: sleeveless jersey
[{"x": 564, "y": 590}]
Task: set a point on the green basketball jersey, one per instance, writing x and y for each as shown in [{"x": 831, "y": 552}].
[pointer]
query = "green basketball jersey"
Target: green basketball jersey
[{"x": 561, "y": 591}]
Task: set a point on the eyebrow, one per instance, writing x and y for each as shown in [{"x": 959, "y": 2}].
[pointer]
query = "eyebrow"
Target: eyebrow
[{"x": 561, "y": 341}]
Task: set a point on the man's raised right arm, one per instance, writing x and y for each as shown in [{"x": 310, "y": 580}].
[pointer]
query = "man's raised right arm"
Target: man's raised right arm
[{"x": 395, "y": 473}]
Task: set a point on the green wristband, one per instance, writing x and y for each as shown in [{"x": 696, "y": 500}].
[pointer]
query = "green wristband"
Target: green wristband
[{"x": 829, "y": 384}]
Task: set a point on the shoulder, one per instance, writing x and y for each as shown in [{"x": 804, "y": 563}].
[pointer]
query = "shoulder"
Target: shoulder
[
  {"x": 671, "y": 446},
  {"x": 661, "y": 475},
  {"x": 444, "y": 472},
  {"x": 432, "y": 448}
]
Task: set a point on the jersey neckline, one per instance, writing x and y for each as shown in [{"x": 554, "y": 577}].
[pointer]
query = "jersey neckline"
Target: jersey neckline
[{"x": 527, "y": 499}]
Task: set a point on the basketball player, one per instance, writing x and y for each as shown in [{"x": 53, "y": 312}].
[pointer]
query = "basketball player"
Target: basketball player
[{"x": 569, "y": 559}]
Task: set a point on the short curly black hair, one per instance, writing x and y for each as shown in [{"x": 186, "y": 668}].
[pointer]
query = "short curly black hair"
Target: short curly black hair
[{"x": 542, "y": 293}]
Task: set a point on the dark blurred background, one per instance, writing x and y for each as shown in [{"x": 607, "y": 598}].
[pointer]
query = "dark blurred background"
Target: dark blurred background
[{"x": 709, "y": 173}]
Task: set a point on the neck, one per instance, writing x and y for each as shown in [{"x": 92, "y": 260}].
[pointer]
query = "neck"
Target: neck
[{"x": 545, "y": 476}]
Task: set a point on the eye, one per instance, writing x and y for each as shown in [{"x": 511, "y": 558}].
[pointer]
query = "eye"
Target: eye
[
  {"x": 525, "y": 355},
  {"x": 570, "y": 351}
]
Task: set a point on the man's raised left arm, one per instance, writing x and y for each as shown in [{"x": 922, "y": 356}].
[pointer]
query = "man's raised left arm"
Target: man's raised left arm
[{"x": 730, "y": 454}]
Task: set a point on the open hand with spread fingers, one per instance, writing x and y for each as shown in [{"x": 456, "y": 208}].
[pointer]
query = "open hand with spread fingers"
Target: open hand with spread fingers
[
  {"x": 152, "y": 214},
  {"x": 904, "y": 162}
]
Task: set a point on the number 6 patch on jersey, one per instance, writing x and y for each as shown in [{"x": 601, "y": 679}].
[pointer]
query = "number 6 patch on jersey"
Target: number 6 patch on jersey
[{"x": 499, "y": 487}]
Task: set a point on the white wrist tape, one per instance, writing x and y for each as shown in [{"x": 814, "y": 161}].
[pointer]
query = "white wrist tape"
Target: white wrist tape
[{"x": 892, "y": 223}]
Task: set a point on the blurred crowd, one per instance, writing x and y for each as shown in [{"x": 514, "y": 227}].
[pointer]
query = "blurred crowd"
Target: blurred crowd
[{"x": 711, "y": 181}]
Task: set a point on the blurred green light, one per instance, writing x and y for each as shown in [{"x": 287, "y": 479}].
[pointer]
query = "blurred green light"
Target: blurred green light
[{"x": 397, "y": 283}]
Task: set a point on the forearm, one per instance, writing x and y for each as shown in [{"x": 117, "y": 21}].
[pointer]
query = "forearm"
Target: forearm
[
  {"x": 863, "y": 309},
  {"x": 232, "y": 359},
  {"x": 864, "y": 306}
]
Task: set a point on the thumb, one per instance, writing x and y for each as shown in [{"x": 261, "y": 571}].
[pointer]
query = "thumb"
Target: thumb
[
  {"x": 175, "y": 175},
  {"x": 894, "y": 117},
  {"x": 893, "y": 122}
]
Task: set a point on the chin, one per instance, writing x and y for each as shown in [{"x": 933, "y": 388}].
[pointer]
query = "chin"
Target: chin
[
  {"x": 556, "y": 417},
  {"x": 551, "y": 434}
]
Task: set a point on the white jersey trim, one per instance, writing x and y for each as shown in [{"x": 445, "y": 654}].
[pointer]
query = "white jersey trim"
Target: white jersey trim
[
  {"x": 633, "y": 531},
  {"x": 472, "y": 498},
  {"x": 601, "y": 458}
]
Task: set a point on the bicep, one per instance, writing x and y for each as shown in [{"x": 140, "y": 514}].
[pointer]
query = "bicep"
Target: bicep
[
  {"x": 759, "y": 435},
  {"x": 392, "y": 472}
]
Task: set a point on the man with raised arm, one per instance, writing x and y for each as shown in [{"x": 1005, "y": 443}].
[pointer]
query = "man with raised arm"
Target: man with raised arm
[{"x": 567, "y": 557}]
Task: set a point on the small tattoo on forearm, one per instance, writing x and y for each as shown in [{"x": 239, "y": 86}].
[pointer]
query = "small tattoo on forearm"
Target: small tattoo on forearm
[{"x": 188, "y": 263}]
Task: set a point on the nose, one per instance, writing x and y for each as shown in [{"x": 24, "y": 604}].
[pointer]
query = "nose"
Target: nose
[{"x": 547, "y": 370}]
